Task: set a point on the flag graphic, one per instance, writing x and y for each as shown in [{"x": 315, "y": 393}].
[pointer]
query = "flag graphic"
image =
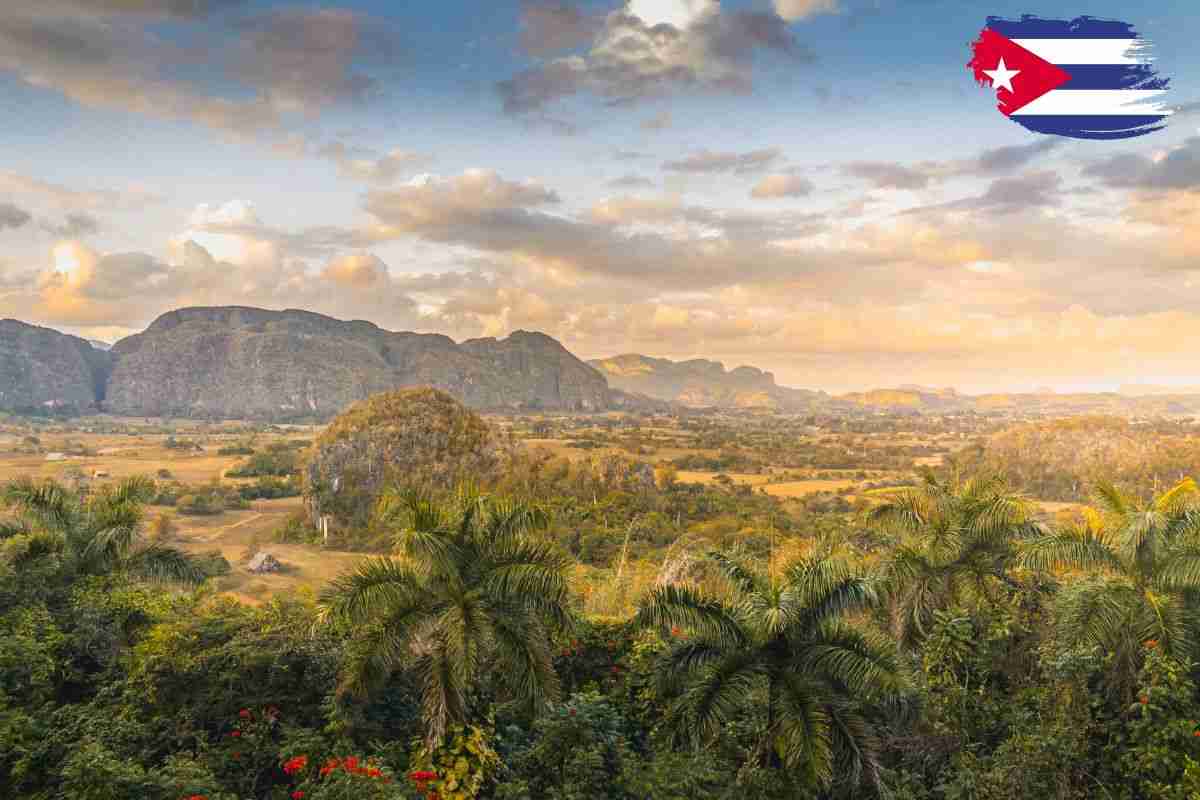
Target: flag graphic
[{"x": 1086, "y": 78}]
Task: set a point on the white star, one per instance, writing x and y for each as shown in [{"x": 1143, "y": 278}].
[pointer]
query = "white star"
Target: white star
[{"x": 1002, "y": 76}]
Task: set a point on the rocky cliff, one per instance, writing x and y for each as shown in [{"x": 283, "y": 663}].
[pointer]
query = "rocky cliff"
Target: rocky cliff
[
  {"x": 43, "y": 370},
  {"x": 700, "y": 383},
  {"x": 240, "y": 362}
]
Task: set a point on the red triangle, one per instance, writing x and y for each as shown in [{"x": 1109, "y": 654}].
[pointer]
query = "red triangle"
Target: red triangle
[{"x": 1036, "y": 75}]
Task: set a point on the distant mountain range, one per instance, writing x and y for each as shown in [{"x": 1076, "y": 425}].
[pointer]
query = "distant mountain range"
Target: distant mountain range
[
  {"x": 699, "y": 383},
  {"x": 236, "y": 362},
  {"x": 249, "y": 363}
]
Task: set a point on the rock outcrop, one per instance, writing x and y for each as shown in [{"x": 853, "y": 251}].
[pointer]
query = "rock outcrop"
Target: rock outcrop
[
  {"x": 235, "y": 362},
  {"x": 700, "y": 383},
  {"x": 415, "y": 438},
  {"x": 42, "y": 370}
]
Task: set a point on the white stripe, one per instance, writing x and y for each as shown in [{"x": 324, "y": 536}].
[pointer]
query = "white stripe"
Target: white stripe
[
  {"x": 1096, "y": 102},
  {"x": 1089, "y": 51}
]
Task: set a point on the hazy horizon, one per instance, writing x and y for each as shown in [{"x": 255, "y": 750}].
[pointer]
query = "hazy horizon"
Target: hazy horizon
[{"x": 812, "y": 187}]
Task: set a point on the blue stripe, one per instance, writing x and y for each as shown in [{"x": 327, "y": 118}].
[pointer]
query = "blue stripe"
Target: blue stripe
[
  {"x": 1112, "y": 76},
  {"x": 1084, "y": 127},
  {"x": 1033, "y": 27}
]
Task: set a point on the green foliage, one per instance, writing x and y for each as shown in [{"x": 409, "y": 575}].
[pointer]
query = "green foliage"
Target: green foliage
[
  {"x": 463, "y": 763},
  {"x": 274, "y": 463},
  {"x": 782, "y": 643},
  {"x": 1163, "y": 748},
  {"x": 473, "y": 583}
]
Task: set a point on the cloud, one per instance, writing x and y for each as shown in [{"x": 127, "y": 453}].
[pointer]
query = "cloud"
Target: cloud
[
  {"x": 709, "y": 161},
  {"x": 75, "y": 226},
  {"x": 782, "y": 185},
  {"x": 693, "y": 46},
  {"x": 913, "y": 177},
  {"x": 1006, "y": 196},
  {"x": 366, "y": 165},
  {"x": 303, "y": 60},
  {"x": 183, "y": 9},
  {"x": 279, "y": 63},
  {"x": 1179, "y": 168},
  {"x": 363, "y": 270},
  {"x": 551, "y": 26},
  {"x": 1013, "y": 157},
  {"x": 234, "y": 212},
  {"x": 13, "y": 217},
  {"x": 69, "y": 198},
  {"x": 888, "y": 175},
  {"x": 659, "y": 122},
  {"x": 631, "y": 181},
  {"x": 792, "y": 10},
  {"x": 431, "y": 202}
]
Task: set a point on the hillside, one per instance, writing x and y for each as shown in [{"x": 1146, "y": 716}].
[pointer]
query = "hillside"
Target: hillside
[
  {"x": 700, "y": 383},
  {"x": 42, "y": 369},
  {"x": 253, "y": 363}
]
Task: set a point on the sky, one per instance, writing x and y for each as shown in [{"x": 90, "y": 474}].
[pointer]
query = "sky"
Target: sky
[{"x": 814, "y": 187}]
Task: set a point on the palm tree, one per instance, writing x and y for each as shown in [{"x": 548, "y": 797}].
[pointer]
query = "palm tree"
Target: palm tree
[
  {"x": 782, "y": 641},
  {"x": 472, "y": 591},
  {"x": 98, "y": 533},
  {"x": 956, "y": 540},
  {"x": 1144, "y": 563}
]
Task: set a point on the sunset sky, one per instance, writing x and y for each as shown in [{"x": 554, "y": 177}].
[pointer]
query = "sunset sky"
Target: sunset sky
[{"x": 815, "y": 187}]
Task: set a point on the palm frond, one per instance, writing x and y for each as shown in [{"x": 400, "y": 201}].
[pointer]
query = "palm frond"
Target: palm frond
[
  {"x": 675, "y": 606},
  {"x": 861, "y": 662},
  {"x": 802, "y": 733},
  {"x": 160, "y": 563},
  {"x": 718, "y": 693},
  {"x": 376, "y": 587},
  {"x": 1068, "y": 550},
  {"x": 48, "y": 503},
  {"x": 1180, "y": 498},
  {"x": 528, "y": 666},
  {"x": 677, "y": 664},
  {"x": 733, "y": 568},
  {"x": 1112, "y": 500},
  {"x": 1180, "y": 569}
]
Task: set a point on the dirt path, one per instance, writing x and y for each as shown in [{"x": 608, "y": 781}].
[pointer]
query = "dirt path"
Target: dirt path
[{"x": 235, "y": 534}]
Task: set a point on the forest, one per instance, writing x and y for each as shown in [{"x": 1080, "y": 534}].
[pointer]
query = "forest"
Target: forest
[{"x": 600, "y": 628}]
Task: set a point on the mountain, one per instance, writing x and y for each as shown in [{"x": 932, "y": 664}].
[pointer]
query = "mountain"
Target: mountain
[
  {"x": 237, "y": 362},
  {"x": 42, "y": 369},
  {"x": 699, "y": 383}
]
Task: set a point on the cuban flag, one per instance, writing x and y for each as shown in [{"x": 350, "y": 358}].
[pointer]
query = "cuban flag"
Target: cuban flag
[{"x": 1085, "y": 78}]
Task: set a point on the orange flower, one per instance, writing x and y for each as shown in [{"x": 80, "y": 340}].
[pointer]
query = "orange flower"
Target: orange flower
[{"x": 1151, "y": 643}]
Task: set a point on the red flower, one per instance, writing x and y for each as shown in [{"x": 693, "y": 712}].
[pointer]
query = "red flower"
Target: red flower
[
  {"x": 329, "y": 767},
  {"x": 1143, "y": 699},
  {"x": 1195, "y": 733},
  {"x": 235, "y": 734},
  {"x": 294, "y": 765},
  {"x": 373, "y": 773},
  {"x": 351, "y": 763},
  {"x": 244, "y": 713},
  {"x": 195, "y": 797},
  {"x": 422, "y": 776},
  {"x": 296, "y": 795}
]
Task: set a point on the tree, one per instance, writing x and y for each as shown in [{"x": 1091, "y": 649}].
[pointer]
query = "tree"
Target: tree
[
  {"x": 1144, "y": 563},
  {"x": 95, "y": 534},
  {"x": 956, "y": 540},
  {"x": 473, "y": 591},
  {"x": 782, "y": 643}
]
